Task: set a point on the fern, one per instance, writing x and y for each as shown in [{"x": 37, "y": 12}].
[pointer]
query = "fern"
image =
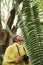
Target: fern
[{"x": 32, "y": 33}]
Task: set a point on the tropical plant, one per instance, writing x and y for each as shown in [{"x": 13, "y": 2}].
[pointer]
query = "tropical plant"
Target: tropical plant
[{"x": 30, "y": 24}]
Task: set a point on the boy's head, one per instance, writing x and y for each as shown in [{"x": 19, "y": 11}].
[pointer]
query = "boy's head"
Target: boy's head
[{"x": 18, "y": 39}]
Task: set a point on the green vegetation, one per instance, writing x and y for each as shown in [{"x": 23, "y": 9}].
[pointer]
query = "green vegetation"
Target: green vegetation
[{"x": 29, "y": 22}]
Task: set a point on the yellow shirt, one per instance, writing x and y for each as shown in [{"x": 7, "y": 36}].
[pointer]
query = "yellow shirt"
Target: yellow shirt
[{"x": 11, "y": 54}]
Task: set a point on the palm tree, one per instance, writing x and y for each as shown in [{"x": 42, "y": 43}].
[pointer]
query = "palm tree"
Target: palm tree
[
  {"x": 29, "y": 22},
  {"x": 31, "y": 31}
]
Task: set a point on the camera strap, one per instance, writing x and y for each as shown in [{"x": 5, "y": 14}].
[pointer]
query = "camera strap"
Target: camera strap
[
  {"x": 19, "y": 51},
  {"x": 24, "y": 51}
]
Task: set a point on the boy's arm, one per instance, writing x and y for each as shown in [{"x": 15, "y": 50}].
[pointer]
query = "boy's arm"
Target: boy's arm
[
  {"x": 10, "y": 58},
  {"x": 16, "y": 61}
]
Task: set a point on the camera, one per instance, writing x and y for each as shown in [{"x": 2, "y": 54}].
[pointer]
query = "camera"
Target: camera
[{"x": 25, "y": 57}]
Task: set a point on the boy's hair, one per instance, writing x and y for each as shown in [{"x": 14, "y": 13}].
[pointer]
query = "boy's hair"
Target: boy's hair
[{"x": 14, "y": 38}]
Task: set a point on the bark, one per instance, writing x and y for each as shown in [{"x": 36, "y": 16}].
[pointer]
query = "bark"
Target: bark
[
  {"x": 4, "y": 35},
  {"x": 9, "y": 23}
]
